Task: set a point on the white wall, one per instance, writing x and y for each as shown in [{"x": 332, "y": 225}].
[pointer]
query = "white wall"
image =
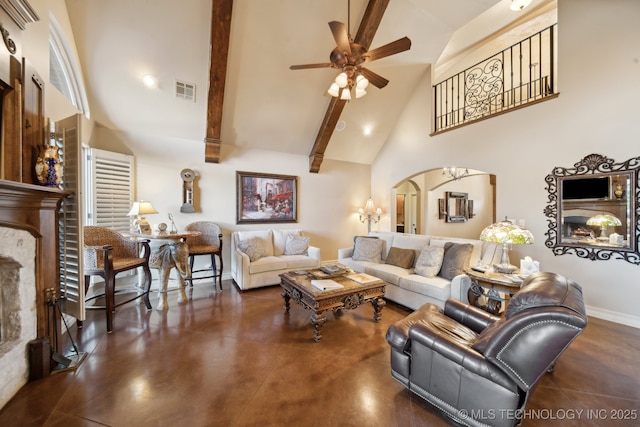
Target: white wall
[
  {"x": 596, "y": 112},
  {"x": 327, "y": 202}
]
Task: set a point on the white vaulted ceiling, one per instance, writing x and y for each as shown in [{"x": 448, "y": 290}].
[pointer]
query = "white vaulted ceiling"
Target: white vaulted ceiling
[{"x": 267, "y": 105}]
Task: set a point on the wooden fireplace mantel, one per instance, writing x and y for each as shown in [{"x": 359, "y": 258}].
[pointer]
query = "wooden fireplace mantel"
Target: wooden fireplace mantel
[{"x": 35, "y": 209}]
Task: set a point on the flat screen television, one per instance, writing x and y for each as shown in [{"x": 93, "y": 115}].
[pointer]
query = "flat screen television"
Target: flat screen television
[{"x": 586, "y": 189}]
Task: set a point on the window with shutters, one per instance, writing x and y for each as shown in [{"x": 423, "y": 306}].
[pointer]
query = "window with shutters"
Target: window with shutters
[
  {"x": 66, "y": 136},
  {"x": 108, "y": 189}
]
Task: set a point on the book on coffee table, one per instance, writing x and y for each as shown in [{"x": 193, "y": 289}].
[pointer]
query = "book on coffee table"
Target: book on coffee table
[
  {"x": 326, "y": 284},
  {"x": 331, "y": 269},
  {"x": 362, "y": 278}
]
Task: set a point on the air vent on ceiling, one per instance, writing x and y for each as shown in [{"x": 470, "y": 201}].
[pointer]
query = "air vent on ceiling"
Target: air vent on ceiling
[{"x": 185, "y": 90}]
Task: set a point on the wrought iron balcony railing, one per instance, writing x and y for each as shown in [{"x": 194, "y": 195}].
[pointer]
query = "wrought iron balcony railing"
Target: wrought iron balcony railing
[{"x": 519, "y": 75}]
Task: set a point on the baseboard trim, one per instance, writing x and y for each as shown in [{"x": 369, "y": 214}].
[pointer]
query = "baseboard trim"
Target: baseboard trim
[{"x": 613, "y": 316}]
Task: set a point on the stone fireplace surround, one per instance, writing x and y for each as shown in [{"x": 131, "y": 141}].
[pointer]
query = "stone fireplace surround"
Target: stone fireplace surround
[
  {"x": 28, "y": 255},
  {"x": 17, "y": 308}
]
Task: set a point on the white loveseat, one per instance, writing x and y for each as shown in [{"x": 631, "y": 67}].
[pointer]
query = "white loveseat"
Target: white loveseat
[
  {"x": 414, "y": 290},
  {"x": 273, "y": 252}
]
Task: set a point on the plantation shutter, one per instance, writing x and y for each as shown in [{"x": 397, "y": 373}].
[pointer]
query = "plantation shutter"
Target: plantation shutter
[
  {"x": 67, "y": 137},
  {"x": 110, "y": 176}
]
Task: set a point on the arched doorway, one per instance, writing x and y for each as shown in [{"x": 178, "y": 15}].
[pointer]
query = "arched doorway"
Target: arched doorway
[
  {"x": 407, "y": 218},
  {"x": 417, "y": 197}
]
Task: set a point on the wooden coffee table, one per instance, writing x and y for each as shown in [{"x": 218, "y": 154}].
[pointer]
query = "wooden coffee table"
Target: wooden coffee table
[{"x": 353, "y": 294}]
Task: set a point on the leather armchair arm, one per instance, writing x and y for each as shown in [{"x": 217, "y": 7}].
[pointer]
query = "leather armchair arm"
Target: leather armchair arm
[
  {"x": 517, "y": 347},
  {"x": 425, "y": 341},
  {"x": 472, "y": 317}
]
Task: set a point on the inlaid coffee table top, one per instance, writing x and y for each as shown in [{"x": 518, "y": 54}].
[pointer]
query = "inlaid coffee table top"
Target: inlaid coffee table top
[
  {"x": 298, "y": 286},
  {"x": 303, "y": 280}
]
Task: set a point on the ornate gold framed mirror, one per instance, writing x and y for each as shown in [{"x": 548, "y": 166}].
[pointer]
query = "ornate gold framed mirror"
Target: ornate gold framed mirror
[{"x": 593, "y": 209}]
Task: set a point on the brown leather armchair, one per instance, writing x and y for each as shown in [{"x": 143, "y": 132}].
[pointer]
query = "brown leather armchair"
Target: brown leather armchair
[{"x": 480, "y": 369}]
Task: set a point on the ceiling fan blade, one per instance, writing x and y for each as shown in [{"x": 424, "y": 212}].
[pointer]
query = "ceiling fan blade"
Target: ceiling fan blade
[
  {"x": 340, "y": 35},
  {"x": 305, "y": 66},
  {"x": 392, "y": 48},
  {"x": 375, "y": 79}
]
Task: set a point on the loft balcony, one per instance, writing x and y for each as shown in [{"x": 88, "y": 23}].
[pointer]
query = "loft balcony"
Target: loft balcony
[{"x": 521, "y": 75}]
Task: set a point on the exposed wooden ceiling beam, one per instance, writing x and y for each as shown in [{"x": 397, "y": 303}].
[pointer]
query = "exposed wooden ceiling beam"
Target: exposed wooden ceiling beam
[
  {"x": 368, "y": 27},
  {"x": 219, "y": 52}
]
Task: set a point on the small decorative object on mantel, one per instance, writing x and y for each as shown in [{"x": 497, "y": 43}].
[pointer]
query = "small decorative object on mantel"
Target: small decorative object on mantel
[
  {"x": 619, "y": 191},
  {"x": 48, "y": 168},
  {"x": 188, "y": 176}
]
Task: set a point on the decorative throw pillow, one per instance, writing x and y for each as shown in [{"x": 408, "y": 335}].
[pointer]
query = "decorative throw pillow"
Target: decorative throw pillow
[
  {"x": 429, "y": 261},
  {"x": 401, "y": 257},
  {"x": 367, "y": 249},
  {"x": 296, "y": 245},
  {"x": 253, "y": 248},
  {"x": 456, "y": 257},
  {"x": 362, "y": 237}
]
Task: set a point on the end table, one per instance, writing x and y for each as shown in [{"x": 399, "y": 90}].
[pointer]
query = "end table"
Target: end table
[{"x": 487, "y": 289}]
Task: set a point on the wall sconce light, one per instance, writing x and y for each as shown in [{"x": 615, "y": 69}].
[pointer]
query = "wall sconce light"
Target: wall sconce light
[{"x": 369, "y": 213}]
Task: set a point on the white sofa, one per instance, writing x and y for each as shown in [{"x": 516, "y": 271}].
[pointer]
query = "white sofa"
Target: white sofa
[
  {"x": 266, "y": 269},
  {"x": 413, "y": 290}
]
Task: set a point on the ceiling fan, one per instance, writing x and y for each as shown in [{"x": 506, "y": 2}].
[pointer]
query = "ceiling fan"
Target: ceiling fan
[{"x": 349, "y": 57}]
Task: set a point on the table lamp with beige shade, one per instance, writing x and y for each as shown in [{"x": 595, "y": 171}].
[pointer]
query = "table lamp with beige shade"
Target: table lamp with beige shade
[{"x": 139, "y": 209}]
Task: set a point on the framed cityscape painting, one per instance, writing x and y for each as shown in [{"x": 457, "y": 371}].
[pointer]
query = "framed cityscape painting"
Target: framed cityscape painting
[{"x": 266, "y": 198}]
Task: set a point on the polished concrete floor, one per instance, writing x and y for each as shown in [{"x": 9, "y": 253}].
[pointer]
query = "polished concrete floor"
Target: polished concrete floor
[{"x": 235, "y": 359}]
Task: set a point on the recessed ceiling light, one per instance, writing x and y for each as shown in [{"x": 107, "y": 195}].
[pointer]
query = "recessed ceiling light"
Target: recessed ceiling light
[
  {"x": 150, "y": 81},
  {"x": 366, "y": 131}
]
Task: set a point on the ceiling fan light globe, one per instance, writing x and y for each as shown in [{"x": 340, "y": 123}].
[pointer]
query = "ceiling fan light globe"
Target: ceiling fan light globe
[
  {"x": 361, "y": 82},
  {"x": 346, "y": 94},
  {"x": 360, "y": 92},
  {"x": 342, "y": 80},
  {"x": 334, "y": 90}
]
